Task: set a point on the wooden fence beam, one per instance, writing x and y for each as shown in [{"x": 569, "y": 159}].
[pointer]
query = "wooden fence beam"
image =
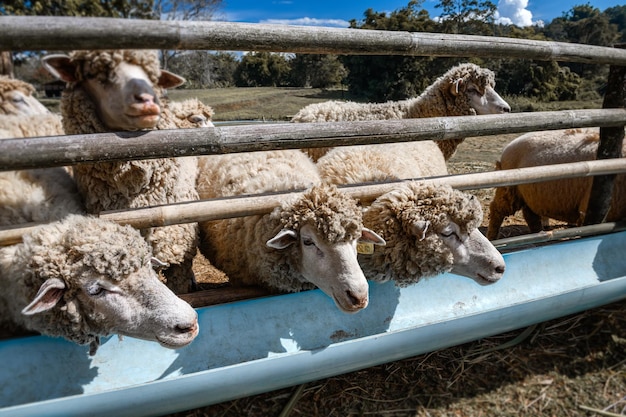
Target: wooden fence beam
[
  {"x": 229, "y": 207},
  {"x": 68, "y": 33},
  {"x": 71, "y": 149}
]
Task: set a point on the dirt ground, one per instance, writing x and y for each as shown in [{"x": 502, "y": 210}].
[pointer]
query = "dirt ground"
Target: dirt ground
[{"x": 572, "y": 366}]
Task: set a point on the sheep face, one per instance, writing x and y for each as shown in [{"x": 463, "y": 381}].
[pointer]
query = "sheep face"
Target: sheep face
[
  {"x": 430, "y": 229},
  {"x": 123, "y": 92},
  {"x": 481, "y": 96},
  {"x": 16, "y": 99},
  {"x": 332, "y": 267},
  {"x": 98, "y": 280},
  {"x": 473, "y": 255}
]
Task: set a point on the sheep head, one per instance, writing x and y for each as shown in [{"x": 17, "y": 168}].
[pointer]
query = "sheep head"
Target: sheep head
[
  {"x": 123, "y": 85},
  {"x": 16, "y": 98},
  {"x": 321, "y": 231},
  {"x": 475, "y": 85},
  {"x": 429, "y": 230},
  {"x": 88, "y": 278}
]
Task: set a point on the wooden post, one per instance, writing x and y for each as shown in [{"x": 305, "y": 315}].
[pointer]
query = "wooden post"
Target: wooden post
[
  {"x": 6, "y": 64},
  {"x": 610, "y": 146}
]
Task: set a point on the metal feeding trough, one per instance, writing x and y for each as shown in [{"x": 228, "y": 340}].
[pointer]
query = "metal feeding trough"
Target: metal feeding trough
[{"x": 258, "y": 345}]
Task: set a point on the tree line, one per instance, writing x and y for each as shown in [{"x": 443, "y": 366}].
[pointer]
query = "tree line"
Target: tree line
[{"x": 376, "y": 78}]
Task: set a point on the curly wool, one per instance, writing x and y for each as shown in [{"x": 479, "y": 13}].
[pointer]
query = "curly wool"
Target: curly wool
[
  {"x": 186, "y": 114},
  {"x": 37, "y": 195},
  {"x": 10, "y": 84},
  {"x": 64, "y": 250},
  {"x": 405, "y": 259},
  {"x": 31, "y": 125},
  {"x": 334, "y": 216}
]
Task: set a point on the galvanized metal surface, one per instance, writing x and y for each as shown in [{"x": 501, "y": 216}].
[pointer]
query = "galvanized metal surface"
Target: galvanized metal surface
[{"x": 254, "y": 346}]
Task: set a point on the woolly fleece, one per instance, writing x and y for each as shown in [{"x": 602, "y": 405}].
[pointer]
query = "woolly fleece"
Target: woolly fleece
[{"x": 406, "y": 259}]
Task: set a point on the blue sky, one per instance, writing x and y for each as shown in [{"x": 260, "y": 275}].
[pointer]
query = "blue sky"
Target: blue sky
[{"x": 337, "y": 13}]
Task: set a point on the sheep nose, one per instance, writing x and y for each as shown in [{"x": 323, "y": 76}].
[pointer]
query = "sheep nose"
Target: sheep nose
[
  {"x": 356, "y": 302},
  {"x": 187, "y": 328},
  {"x": 144, "y": 98},
  {"x": 500, "y": 269},
  {"x": 506, "y": 109}
]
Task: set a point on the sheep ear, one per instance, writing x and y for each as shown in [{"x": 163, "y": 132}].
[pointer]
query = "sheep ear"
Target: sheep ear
[
  {"x": 283, "y": 239},
  {"x": 369, "y": 236},
  {"x": 419, "y": 228},
  {"x": 170, "y": 80},
  {"x": 456, "y": 87},
  {"x": 156, "y": 263},
  {"x": 49, "y": 294},
  {"x": 60, "y": 67}
]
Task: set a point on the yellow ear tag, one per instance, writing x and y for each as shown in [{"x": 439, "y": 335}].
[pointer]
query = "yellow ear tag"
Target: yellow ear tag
[{"x": 365, "y": 248}]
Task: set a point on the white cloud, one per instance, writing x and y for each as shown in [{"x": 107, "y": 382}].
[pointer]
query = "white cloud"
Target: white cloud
[
  {"x": 308, "y": 21},
  {"x": 514, "y": 12}
]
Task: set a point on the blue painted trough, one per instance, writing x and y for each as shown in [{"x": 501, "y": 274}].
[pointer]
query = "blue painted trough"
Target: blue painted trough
[{"x": 253, "y": 346}]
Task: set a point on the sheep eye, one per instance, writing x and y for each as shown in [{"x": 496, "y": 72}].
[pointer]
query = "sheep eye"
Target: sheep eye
[
  {"x": 307, "y": 241},
  {"x": 96, "y": 290},
  {"x": 18, "y": 99}
]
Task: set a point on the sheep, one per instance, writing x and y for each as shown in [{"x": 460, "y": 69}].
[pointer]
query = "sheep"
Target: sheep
[
  {"x": 429, "y": 230},
  {"x": 38, "y": 195},
  {"x": 190, "y": 113},
  {"x": 23, "y": 126},
  {"x": 565, "y": 200},
  {"x": 465, "y": 89},
  {"x": 308, "y": 241},
  {"x": 17, "y": 98},
  {"x": 118, "y": 90},
  {"x": 81, "y": 278},
  {"x": 381, "y": 162}
]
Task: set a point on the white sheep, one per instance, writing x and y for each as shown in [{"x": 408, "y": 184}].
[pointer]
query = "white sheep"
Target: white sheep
[
  {"x": 308, "y": 241},
  {"x": 37, "y": 195},
  {"x": 17, "y": 98},
  {"x": 565, "y": 200},
  {"x": 428, "y": 229},
  {"x": 82, "y": 278},
  {"x": 119, "y": 90},
  {"x": 464, "y": 90},
  {"x": 23, "y": 126}
]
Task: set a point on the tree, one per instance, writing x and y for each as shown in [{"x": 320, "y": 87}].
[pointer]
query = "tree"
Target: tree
[
  {"x": 317, "y": 71},
  {"x": 381, "y": 78},
  {"x": 138, "y": 9},
  {"x": 262, "y": 69},
  {"x": 617, "y": 17},
  {"x": 204, "y": 69},
  {"x": 474, "y": 17},
  {"x": 183, "y": 10}
]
